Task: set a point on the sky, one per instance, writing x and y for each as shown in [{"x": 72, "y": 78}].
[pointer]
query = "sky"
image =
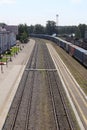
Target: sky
[{"x": 31, "y": 12}]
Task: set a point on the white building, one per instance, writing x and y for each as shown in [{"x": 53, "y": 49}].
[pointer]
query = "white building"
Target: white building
[
  {"x": 12, "y": 28},
  {"x": 7, "y": 39},
  {"x": 3, "y": 40}
]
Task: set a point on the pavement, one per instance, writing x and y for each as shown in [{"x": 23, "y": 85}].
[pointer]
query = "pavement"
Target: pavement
[{"x": 10, "y": 76}]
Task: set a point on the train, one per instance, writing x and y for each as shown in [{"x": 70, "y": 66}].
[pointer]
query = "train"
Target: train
[{"x": 78, "y": 53}]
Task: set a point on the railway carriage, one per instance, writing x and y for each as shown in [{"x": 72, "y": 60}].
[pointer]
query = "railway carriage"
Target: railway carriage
[
  {"x": 64, "y": 44},
  {"x": 85, "y": 59},
  {"x": 79, "y": 53},
  {"x": 71, "y": 49},
  {"x": 67, "y": 46}
]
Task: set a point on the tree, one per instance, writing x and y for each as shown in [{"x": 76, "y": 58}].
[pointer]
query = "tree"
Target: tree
[
  {"x": 51, "y": 27},
  {"x": 67, "y": 30},
  {"x": 31, "y": 29},
  {"x": 2, "y": 25},
  {"x": 82, "y": 28},
  {"x": 78, "y": 34},
  {"x": 23, "y": 37},
  {"x": 23, "y": 33},
  {"x": 39, "y": 29}
]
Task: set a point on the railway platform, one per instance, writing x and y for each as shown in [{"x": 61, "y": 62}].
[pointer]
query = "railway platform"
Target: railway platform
[{"x": 10, "y": 78}]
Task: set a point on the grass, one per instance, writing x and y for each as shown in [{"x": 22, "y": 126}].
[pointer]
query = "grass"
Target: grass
[
  {"x": 3, "y": 60},
  {"x": 14, "y": 50}
]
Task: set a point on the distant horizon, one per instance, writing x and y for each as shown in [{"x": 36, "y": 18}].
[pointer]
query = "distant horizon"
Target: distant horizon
[
  {"x": 70, "y": 12},
  {"x": 37, "y": 23}
]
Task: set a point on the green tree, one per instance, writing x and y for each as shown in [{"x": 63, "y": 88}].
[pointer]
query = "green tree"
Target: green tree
[
  {"x": 67, "y": 29},
  {"x": 31, "y": 29},
  {"x": 23, "y": 37},
  {"x": 23, "y": 33},
  {"x": 82, "y": 28},
  {"x": 78, "y": 34},
  {"x": 39, "y": 29},
  {"x": 51, "y": 27}
]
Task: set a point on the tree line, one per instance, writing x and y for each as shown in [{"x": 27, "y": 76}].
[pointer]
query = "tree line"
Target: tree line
[
  {"x": 50, "y": 28},
  {"x": 24, "y": 30}
]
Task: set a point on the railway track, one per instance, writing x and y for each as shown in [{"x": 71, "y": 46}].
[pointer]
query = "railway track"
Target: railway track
[
  {"x": 30, "y": 109},
  {"x": 61, "y": 114},
  {"x": 22, "y": 98}
]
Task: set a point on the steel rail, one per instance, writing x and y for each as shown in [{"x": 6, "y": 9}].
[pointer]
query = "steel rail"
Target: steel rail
[{"x": 61, "y": 96}]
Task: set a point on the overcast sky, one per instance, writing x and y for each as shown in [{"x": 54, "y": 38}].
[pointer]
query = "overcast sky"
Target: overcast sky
[{"x": 71, "y": 12}]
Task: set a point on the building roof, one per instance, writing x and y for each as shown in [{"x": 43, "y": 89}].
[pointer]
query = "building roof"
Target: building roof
[{"x": 12, "y": 28}]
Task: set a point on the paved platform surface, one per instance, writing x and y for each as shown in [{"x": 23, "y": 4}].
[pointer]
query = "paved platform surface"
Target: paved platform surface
[{"x": 11, "y": 77}]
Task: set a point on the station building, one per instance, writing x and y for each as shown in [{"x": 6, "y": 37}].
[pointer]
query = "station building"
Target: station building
[{"x": 7, "y": 37}]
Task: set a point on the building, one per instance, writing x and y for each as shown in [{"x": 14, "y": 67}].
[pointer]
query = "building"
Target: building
[
  {"x": 3, "y": 40},
  {"x": 7, "y": 37},
  {"x": 12, "y": 28}
]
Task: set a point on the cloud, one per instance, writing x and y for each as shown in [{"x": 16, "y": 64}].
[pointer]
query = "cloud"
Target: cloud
[
  {"x": 76, "y": 1},
  {"x": 7, "y": 1}
]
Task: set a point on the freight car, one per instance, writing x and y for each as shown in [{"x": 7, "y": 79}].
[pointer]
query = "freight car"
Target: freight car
[
  {"x": 64, "y": 44},
  {"x": 75, "y": 51},
  {"x": 85, "y": 59}
]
